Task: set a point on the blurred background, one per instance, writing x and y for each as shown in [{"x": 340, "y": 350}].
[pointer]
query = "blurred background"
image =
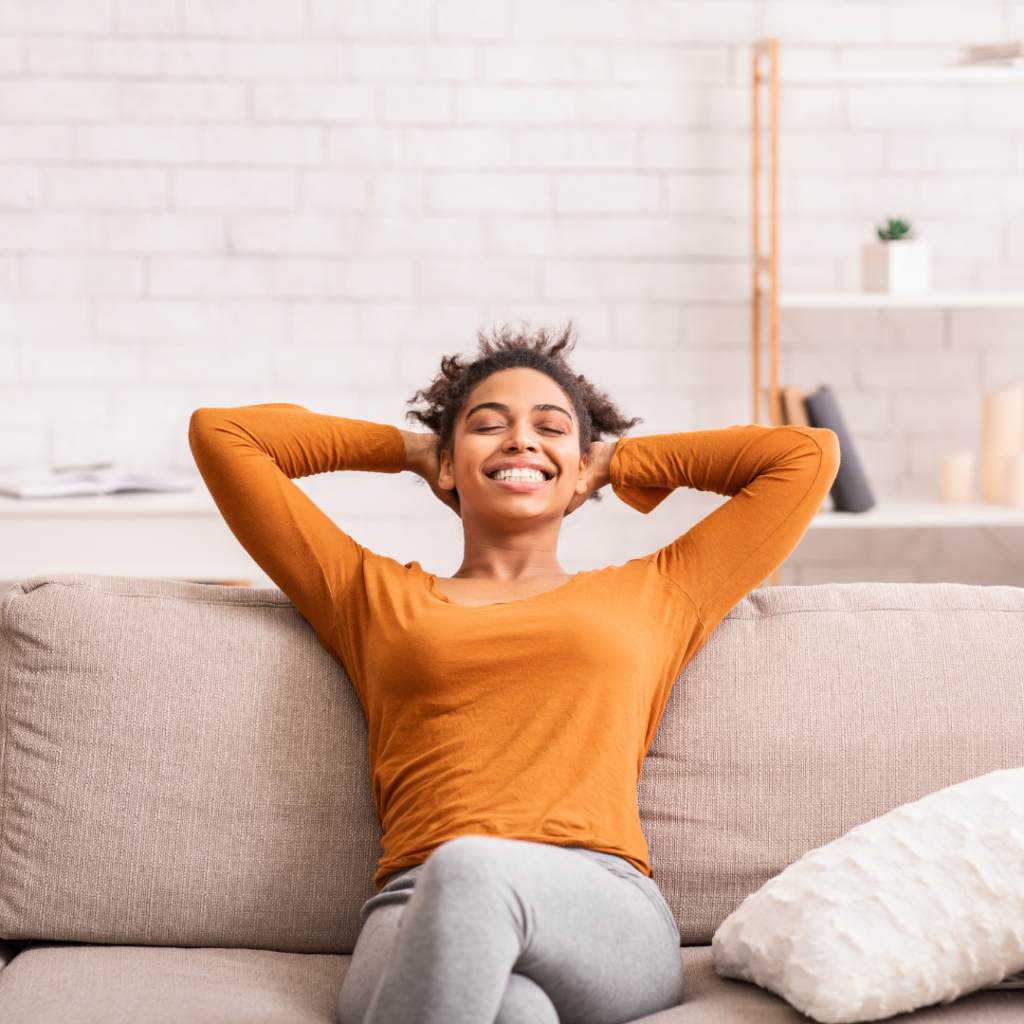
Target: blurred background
[{"x": 223, "y": 202}]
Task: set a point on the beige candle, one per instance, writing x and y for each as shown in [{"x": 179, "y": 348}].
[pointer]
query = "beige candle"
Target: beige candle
[
  {"x": 1015, "y": 481},
  {"x": 956, "y": 477},
  {"x": 1002, "y": 436}
]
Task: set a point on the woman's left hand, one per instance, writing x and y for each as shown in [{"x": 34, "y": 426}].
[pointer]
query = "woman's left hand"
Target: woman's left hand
[{"x": 599, "y": 461}]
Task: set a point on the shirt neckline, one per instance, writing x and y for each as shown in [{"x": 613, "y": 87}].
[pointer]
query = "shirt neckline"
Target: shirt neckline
[{"x": 435, "y": 591}]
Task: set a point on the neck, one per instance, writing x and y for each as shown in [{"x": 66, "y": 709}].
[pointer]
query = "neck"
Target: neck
[{"x": 502, "y": 555}]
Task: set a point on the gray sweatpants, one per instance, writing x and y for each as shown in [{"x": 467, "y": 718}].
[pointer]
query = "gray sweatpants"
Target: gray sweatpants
[{"x": 495, "y": 931}]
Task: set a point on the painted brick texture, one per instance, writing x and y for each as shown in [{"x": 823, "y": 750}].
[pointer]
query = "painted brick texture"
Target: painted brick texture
[{"x": 228, "y": 201}]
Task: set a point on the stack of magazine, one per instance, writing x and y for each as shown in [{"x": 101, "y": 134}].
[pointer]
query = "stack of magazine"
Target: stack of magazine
[
  {"x": 995, "y": 55},
  {"x": 851, "y": 491},
  {"x": 78, "y": 481}
]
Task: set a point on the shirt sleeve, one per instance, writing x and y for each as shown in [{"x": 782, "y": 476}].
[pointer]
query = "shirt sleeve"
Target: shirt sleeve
[
  {"x": 777, "y": 478},
  {"x": 248, "y": 458}
]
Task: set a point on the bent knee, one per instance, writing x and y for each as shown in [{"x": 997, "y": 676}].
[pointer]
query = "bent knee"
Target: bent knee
[
  {"x": 467, "y": 853},
  {"x": 466, "y": 859}
]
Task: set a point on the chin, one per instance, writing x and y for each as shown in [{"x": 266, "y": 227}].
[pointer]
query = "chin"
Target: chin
[{"x": 519, "y": 507}]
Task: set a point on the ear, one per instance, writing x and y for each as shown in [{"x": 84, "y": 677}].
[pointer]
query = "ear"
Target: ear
[
  {"x": 446, "y": 471},
  {"x": 582, "y": 484}
]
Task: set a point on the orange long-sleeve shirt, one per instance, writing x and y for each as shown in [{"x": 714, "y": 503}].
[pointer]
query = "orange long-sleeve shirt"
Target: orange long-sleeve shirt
[{"x": 527, "y": 719}]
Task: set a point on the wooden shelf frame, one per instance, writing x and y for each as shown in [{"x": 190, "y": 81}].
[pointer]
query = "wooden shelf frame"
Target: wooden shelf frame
[{"x": 766, "y": 261}]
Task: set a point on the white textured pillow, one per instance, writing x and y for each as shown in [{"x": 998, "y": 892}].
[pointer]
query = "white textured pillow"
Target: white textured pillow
[{"x": 916, "y": 907}]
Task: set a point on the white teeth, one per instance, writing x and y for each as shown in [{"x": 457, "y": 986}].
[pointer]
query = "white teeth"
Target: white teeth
[{"x": 533, "y": 475}]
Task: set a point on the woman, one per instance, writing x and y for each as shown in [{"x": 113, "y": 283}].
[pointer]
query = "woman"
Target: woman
[{"x": 511, "y": 705}]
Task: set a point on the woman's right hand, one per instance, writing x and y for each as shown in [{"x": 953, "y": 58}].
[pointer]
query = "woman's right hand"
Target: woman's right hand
[{"x": 421, "y": 458}]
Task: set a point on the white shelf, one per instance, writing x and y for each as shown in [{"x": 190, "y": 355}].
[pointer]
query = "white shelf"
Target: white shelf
[
  {"x": 896, "y": 76},
  {"x": 886, "y": 300},
  {"x": 894, "y": 515}
]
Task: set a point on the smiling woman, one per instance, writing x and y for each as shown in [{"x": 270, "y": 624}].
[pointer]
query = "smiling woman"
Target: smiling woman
[{"x": 510, "y": 706}]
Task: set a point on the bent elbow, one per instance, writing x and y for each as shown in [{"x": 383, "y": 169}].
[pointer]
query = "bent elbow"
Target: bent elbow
[
  {"x": 818, "y": 448},
  {"x": 828, "y": 443},
  {"x": 202, "y": 430},
  {"x": 198, "y": 426},
  {"x": 826, "y": 451}
]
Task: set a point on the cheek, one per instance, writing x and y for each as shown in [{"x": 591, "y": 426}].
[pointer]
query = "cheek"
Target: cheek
[
  {"x": 569, "y": 465},
  {"x": 467, "y": 455}
]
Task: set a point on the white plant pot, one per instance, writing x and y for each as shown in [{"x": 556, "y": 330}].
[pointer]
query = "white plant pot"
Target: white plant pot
[{"x": 903, "y": 266}]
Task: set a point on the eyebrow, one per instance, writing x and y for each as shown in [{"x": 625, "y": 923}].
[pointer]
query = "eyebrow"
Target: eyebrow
[{"x": 501, "y": 407}]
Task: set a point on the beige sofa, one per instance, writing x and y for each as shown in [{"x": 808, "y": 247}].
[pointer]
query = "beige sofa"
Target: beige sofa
[{"x": 186, "y": 823}]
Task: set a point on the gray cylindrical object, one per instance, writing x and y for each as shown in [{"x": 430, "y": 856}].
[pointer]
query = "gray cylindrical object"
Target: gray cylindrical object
[{"x": 850, "y": 491}]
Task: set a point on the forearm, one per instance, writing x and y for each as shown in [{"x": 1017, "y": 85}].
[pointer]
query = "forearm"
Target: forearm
[
  {"x": 299, "y": 442},
  {"x": 646, "y": 470}
]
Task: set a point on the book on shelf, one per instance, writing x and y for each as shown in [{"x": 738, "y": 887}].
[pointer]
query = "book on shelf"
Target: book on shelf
[
  {"x": 850, "y": 491},
  {"x": 794, "y": 412},
  {"x": 83, "y": 481}
]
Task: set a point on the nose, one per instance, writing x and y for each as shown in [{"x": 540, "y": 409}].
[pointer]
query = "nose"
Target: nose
[{"x": 520, "y": 438}]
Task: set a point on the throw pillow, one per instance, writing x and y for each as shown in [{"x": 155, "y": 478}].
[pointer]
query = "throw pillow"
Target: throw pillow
[{"x": 916, "y": 907}]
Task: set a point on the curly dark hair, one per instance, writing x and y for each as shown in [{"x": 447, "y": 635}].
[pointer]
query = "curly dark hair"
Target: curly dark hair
[{"x": 438, "y": 406}]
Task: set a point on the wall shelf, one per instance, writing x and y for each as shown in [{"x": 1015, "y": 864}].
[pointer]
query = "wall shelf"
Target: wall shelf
[
  {"x": 896, "y": 515},
  {"x": 884, "y": 300},
  {"x": 897, "y": 76},
  {"x": 887, "y": 514},
  {"x": 768, "y": 299}
]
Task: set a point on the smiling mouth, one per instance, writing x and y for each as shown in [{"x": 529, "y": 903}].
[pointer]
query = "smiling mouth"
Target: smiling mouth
[{"x": 532, "y": 476}]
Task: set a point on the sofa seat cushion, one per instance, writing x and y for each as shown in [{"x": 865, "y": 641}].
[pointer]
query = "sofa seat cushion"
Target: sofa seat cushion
[
  {"x": 710, "y": 999},
  {"x": 151, "y": 985}
]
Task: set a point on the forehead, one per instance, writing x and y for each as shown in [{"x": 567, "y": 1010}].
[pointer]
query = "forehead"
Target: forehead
[{"x": 519, "y": 388}]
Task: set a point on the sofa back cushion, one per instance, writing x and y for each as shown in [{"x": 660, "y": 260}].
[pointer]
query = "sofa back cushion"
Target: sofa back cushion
[
  {"x": 813, "y": 709},
  {"x": 185, "y": 765},
  {"x": 181, "y": 765}
]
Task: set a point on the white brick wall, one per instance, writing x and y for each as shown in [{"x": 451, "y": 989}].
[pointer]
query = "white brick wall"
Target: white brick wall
[{"x": 311, "y": 200}]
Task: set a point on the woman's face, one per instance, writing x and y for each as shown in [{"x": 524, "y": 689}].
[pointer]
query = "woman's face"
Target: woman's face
[{"x": 516, "y": 449}]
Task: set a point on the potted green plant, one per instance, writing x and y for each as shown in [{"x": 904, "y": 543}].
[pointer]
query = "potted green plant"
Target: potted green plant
[{"x": 899, "y": 261}]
